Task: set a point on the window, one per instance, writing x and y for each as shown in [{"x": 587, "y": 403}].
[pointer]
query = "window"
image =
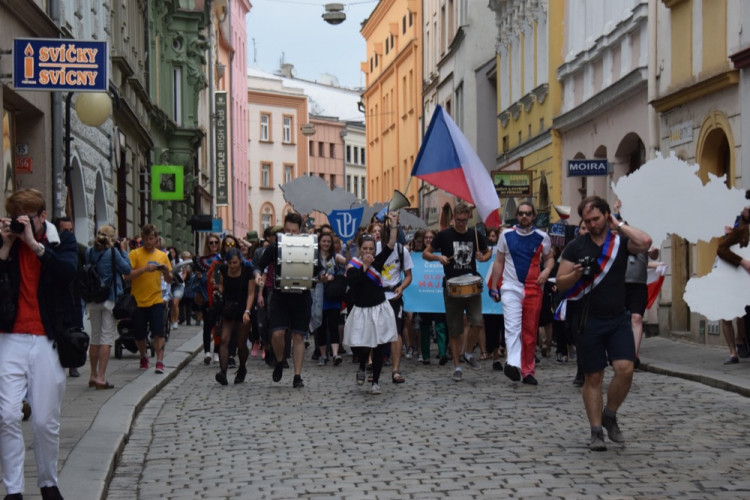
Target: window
[
  {"x": 411, "y": 18},
  {"x": 288, "y": 173},
  {"x": 376, "y": 59},
  {"x": 265, "y": 175},
  {"x": 349, "y": 183},
  {"x": 371, "y": 62},
  {"x": 348, "y": 153},
  {"x": 356, "y": 188},
  {"x": 265, "y": 127},
  {"x": 332, "y": 182},
  {"x": 506, "y": 143},
  {"x": 541, "y": 124},
  {"x": 403, "y": 25},
  {"x": 362, "y": 195},
  {"x": 177, "y": 103},
  {"x": 265, "y": 221},
  {"x": 288, "y": 125},
  {"x": 332, "y": 150},
  {"x": 321, "y": 149},
  {"x": 356, "y": 159},
  {"x": 312, "y": 148},
  {"x": 362, "y": 156},
  {"x": 386, "y": 46}
]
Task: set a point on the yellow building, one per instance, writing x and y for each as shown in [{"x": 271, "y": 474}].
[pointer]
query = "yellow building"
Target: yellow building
[
  {"x": 529, "y": 96},
  {"x": 393, "y": 97}
]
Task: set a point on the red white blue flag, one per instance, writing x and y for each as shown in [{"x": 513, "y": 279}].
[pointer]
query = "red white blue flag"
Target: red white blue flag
[{"x": 447, "y": 161}]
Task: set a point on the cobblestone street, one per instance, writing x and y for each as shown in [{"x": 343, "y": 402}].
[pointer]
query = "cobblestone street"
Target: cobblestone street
[{"x": 485, "y": 437}]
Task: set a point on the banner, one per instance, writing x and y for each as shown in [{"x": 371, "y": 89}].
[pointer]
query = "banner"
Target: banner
[
  {"x": 346, "y": 222},
  {"x": 167, "y": 182},
  {"x": 425, "y": 294},
  {"x": 222, "y": 186}
]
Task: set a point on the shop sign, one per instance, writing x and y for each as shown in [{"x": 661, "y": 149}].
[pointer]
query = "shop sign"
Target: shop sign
[
  {"x": 682, "y": 133},
  {"x": 582, "y": 168},
  {"x": 511, "y": 184},
  {"x": 54, "y": 64},
  {"x": 222, "y": 185}
]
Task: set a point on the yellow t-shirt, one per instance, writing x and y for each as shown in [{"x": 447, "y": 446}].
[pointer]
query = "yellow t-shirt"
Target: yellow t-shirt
[{"x": 146, "y": 288}]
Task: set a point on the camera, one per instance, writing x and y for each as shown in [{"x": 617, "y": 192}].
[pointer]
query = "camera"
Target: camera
[
  {"x": 590, "y": 266},
  {"x": 15, "y": 226}
]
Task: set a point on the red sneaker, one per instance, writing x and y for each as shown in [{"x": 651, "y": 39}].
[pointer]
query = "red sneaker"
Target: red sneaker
[
  {"x": 159, "y": 367},
  {"x": 144, "y": 363}
]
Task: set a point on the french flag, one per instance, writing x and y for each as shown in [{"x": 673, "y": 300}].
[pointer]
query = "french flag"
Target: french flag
[{"x": 447, "y": 161}]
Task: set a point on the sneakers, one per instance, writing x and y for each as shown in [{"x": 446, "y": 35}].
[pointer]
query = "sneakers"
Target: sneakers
[
  {"x": 731, "y": 360},
  {"x": 159, "y": 367},
  {"x": 144, "y": 363},
  {"x": 240, "y": 375},
  {"x": 337, "y": 360},
  {"x": 207, "y": 358},
  {"x": 322, "y": 361},
  {"x": 221, "y": 378},
  {"x": 471, "y": 360},
  {"x": 375, "y": 389},
  {"x": 425, "y": 361},
  {"x": 613, "y": 430},
  {"x": 297, "y": 382},
  {"x": 443, "y": 360},
  {"x": 410, "y": 352},
  {"x": 174, "y": 326},
  {"x": 512, "y": 372},
  {"x": 360, "y": 377},
  {"x": 559, "y": 357},
  {"x": 73, "y": 372},
  {"x": 529, "y": 379},
  {"x": 254, "y": 351},
  {"x": 278, "y": 371},
  {"x": 457, "y": 376},
  {"x": 742, "y": 350},
  {"x": 216, "y": 357},
  {"x": 597, "y": 441},
  {"x": 497, "y": 365}
]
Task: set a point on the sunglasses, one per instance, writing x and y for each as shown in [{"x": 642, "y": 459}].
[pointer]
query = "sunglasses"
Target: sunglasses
[
  {"x": 213, "y": 242},
  {"x": 230, "y": 244},
  {"x": 523, "y": 213}
]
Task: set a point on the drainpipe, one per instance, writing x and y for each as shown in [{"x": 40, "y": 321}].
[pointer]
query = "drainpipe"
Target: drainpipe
[
  {"x": 211, "y": 109},
  {"x": 653, "y": 116},
  {"x": 56, "y": 118},
  {"x": 231, "y": 131}
]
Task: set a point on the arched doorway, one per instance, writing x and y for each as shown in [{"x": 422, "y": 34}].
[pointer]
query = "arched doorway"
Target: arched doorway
[{"x": 76, "y": 204}]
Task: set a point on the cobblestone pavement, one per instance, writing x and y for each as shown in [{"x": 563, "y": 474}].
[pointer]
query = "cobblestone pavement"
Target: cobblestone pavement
[{"x": 485, "y": 437}]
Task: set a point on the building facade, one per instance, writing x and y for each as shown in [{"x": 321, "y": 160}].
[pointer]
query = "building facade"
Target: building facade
[
  {"x": 393, "y": 97},
  {"x": 529, "y": 51}
]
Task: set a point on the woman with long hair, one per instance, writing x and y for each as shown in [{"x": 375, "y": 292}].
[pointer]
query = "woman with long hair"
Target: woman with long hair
[
  {"x": 371, "y": 324},
  {"x": 112, "y": 263},
  {"x": 238, "y": 291},
  {"x": 211, "y": 248},
  {"x": 178, "y": 286},
  {"x": 441, "y": 328},
  {"x": 327, "y": 310}
]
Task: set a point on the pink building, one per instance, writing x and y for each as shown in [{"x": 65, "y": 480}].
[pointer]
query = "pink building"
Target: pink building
[{"x": 240, "y": 202}]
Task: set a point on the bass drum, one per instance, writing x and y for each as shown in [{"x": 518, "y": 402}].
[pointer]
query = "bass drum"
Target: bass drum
[{"x": 297, "y": 258}]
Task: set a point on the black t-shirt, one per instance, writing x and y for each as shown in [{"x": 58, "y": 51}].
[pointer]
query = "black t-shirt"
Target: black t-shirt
[
  {"x": 462, "y": 247},
  {"x": 607, "y": 298}
]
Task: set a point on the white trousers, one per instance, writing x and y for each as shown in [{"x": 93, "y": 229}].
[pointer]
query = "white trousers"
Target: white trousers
[{"x": 29, "y": 364}]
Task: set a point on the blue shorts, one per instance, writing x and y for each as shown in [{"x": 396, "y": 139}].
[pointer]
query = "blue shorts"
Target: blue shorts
[
  {"x": 144, "y": 317},
  {"x": 605, "y": 340}
]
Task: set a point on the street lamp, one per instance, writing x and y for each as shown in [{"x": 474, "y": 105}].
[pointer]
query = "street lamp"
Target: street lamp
[
  {"x": 334, "y": 13},
  {"x": 93, "y": 109}
]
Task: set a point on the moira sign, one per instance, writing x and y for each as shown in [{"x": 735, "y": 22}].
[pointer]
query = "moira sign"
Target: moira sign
[{"x": 581, "y": 168}]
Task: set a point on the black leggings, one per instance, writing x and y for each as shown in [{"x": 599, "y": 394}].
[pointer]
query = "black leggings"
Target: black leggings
[
  {"x": 363, "y": 353},
  {"x": 328, "y": 332}
]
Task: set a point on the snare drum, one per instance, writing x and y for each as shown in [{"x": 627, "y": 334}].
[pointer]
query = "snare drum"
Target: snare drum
[
  {"x": 295, "y": 266},
  {"x": 467, "y": 285}
]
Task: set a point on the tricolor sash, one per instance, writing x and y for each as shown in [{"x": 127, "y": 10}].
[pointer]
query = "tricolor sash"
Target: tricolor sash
[
  {"x": 370, "y": 273},
  {"x": 581, "y": 287}
]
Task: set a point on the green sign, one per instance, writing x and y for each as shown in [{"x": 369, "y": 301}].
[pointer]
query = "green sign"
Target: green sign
[{"x": 167, "y": 182}]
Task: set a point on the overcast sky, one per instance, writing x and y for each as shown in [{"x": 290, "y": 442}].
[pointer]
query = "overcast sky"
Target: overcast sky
[{"x": 296, "y": 29}]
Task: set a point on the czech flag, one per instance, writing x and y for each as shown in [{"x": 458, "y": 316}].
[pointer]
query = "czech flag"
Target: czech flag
[
  {"x": 654, "y": 282},
  {"x": 447, "y": 161}
]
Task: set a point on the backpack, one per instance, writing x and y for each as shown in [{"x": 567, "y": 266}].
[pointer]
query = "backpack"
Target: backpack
[{"x": 90, "y": 284}]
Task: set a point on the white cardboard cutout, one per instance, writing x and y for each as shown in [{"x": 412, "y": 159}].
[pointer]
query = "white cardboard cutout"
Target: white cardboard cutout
[{"x": 665, "y": 196}]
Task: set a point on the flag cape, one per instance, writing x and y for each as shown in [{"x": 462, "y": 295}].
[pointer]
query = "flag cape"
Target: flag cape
[
  {"x": 654, "y": 283},
  {"x": 447, "y": 160}
]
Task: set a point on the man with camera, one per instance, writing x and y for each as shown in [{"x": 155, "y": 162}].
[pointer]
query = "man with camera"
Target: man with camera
[
  {"x": 149, "y": 265},
  {"x": 517, "y": 276},
  {"x": 37, "y": 266},
  {"x": 592, "y": 279}
]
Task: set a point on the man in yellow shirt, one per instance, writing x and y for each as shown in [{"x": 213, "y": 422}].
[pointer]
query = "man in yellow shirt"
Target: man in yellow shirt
[{"x": 149, "y": 265}]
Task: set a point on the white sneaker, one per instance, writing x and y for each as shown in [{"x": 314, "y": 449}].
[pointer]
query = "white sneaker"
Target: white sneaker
[
  {"x": 175, "y": 325},
  {"x": 375, "y": 389},
  {"x": 207, "y": 358},
  {"x": 216, "y": 357}
]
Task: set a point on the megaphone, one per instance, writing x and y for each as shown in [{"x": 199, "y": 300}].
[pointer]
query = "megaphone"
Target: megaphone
[{"x": 398, "y": 201}]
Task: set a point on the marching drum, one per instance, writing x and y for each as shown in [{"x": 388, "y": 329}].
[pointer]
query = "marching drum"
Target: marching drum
[
  {"x": 295, "y": 266},
  {"x": 467, "y": 285}
]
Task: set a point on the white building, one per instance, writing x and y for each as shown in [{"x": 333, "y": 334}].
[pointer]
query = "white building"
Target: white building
[{"x": 355, "y": 164}]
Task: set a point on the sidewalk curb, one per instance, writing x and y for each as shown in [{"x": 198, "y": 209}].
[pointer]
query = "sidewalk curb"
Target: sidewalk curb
[
  {"x": 98, "y": 449},
  {"x": 738, "y": 385}
]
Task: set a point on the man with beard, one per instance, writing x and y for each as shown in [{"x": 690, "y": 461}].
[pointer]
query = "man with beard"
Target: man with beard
[
  {"x": 592, "y": 278},
  {"x": 518, "y": 277},
  {"x": 740, "y": 234}
]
